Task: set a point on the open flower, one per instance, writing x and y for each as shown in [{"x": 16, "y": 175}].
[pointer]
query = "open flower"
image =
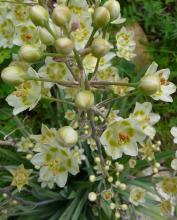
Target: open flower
[
  {"x": 122, "y": 137},
  {"x": 121, "y": 90},
  {"x": 26, "y": 96},
  {"x": 47, "y": 136},
  {"x": 26, "y": 34},
  {"x": 137, "y": 196},
  {"x": 125, "y": 44},
  {"x": 7, "y": 30},
  {"x": 55, "y": 163},
  {"x": 166, "y": 88},
  {"x": 90, "y": 61},
  {"x": 142, "y": 113},
  {"x": 20, "y": 176},
  {"x": 53, "y": 70}
]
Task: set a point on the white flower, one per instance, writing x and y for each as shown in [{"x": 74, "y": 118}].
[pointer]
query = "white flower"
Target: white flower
[
  {"x": 125, "y": 44},
  {"x": 122, "y": 137},
  {"x": 107, "y": 74},
  {"x": 53, "y": 70},
  {"x": 137, "y": 196},
  {"x": 142, "y": 113},
  {"x": 47, "y": 136},
  {"x": 25, "y": 145},
  {"x": 82, "y": 34},
  {"x": 26, "y": 34},
  {"x": 90, "y": 61},
  {"x": 174, "y": 162},
  {"x": 26, "y": 96},
  {"x": 55, "y": 164},
  {"x": 166, "y": 88},
  {"x": 20, "y": 13},
  {"x": 174, "y": 133},
  {"x": 7, "y": 30},
  {"x": 121, "y": 90}
]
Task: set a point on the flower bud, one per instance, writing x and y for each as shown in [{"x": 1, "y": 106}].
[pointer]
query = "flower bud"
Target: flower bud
[
  {"x": 61, "y": 15},
  {"x": 13, "y": 75},
  {"x": 149, "y": 84},
  {"x": 110, "y": 179},
  {"x": 112, "y": 206},
  {"x": 84, "y": 99},
  {"x": 122, "y": 186},
  {"x": 101, "y": 17},
  {"x": 100, "y": 47},
  {"x": 124, "y": 207},
  {"x": 30, "y": 53},
  {"x": 45, "y": 37},
  {"x": 92, "y": 196},
  {"x": 39, "y": 15},
  {"x": 64, "y": 45},
  {"x": 92, "y": 178},
  {"x": 113, "y": 7},
  {"x": 97, "y": 160},
  {"x": 68, "y": 135}
]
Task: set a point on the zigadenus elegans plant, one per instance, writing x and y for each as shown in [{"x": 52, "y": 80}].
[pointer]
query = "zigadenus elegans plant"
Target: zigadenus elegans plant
[{"x": 109, "y": 166}]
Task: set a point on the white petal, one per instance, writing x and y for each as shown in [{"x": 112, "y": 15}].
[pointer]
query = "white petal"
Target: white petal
[
  {"x": 152, "y": 68},
  {"x": 38, "y": 159},
  {"x": 61, "y": 179},
  {"x": 174, "y": 164},
  {"x": 174, "y": 131},
  {"x": 131, "y": 149}
]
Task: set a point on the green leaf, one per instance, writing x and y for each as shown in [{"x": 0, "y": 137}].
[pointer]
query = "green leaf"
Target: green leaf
[
  {"x": 80, "y": 207},
  {"x": 106, "y": 208}
]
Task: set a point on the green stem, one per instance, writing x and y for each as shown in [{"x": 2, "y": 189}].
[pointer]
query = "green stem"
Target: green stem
[
  {"x": 57, "y": 55},
  {"x": 96, "y": 69},
  {"x": 62, "y": 83},
  {"x": 105, "y": 83},
  {"x": 107, "y": 101},
  {"x": 90, "y": 40},
  {"x": 18, "y": 3},
  {"x": 58, "y": 100}
]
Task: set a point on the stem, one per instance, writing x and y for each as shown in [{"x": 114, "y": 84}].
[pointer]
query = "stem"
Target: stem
[
  {"x": 58, "y": 100},
  {"x": 57, "y": 55},
  {"x": 19, "y": 3},
  {"x": 107, "y": 101},
  {"x": 8, "y": 143},
  {"x": 71, "y": 71},
  {"x": 94, "y": 136},
  {"x": 90, "y": 40},
  {"x": 96, "y": 68},
  {"x": 105, "y": 83},
  {"x": 62, "y": 83}
]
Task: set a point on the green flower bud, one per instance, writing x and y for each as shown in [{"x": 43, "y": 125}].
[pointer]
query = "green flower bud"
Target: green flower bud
[
  {"x": 84, "y": 99},
  {"x": 101, "y": 17},
  {"x": 46, "y": 37},
  {"x": 113, "y": 7},
  {"x": 68, "y": 136},
  {"x": 30, "y": 53},
  {"x": 100, "y": 47},
  {"x": 39, "y": 15},
  {"x": 61, "y": 15},
  {"x": 64, "y": 45},
  {"x": 149, "y": 84},
  {"x": 13, "y": 75}
]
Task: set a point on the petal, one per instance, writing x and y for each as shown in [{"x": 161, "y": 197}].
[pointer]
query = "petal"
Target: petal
[
  {"x": 152, "y": 68},
  {"x": 174, "y": 131},
  {"x": 131, "y": 149},
  {"x": 174, "y": 164},
  {"x": 61, "y": 179},
  {"x": 38, "y": 159}
]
